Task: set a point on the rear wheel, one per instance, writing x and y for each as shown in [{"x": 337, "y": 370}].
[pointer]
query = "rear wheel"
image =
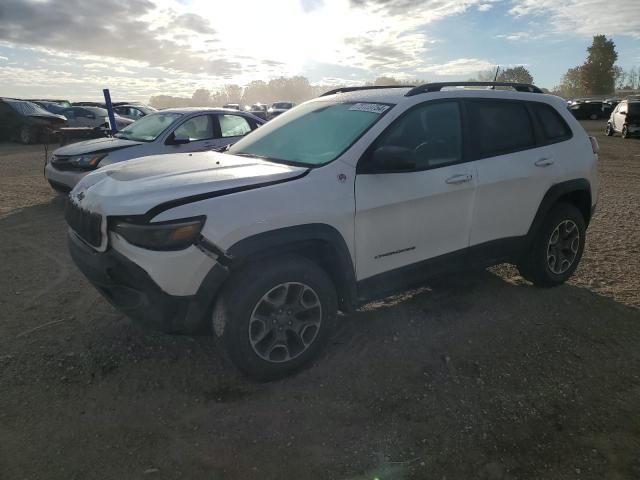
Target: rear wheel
[
  {"x": 625, "y": 132},
  {"x": 557, "y": 248},
  {"x": 608, "y": 131},
  {"x": 275, "y": 317}
]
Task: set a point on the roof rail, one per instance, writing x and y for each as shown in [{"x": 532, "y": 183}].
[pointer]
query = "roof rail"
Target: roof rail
[
  {"x": 355, "y": 89},
  {"x": 436, "y": 87}
]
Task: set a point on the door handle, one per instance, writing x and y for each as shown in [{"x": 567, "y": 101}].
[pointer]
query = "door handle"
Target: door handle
[
  {"x": 458, "y": 179},
  {"x": 544, "y": 162}
]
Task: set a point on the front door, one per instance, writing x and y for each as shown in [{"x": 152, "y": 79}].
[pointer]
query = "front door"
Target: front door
[
  {"x": 406, "y": 217},
  {"x": 199, "y": 130}
]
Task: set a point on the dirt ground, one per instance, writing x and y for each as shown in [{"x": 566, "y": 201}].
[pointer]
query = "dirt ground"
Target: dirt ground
[{"x": 477, "y": 377}]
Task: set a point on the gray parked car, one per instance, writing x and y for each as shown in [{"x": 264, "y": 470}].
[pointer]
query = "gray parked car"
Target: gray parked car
[
  {"x": 279, "y": 107},
  {"x": 91, "y": 117},
  {"x": 167, "y": 131},
  {"x": 134, "y": 111}
]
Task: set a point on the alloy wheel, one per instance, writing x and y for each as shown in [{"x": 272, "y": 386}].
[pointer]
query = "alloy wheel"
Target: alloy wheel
[
  {"x": 563, "y": 247},
  {"x": 285, "y": 322}
]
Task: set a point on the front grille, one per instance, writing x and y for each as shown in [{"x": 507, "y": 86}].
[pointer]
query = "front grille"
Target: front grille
[
  {"x": 87, "y": 225},
  {"x": 64, "y": 163}
]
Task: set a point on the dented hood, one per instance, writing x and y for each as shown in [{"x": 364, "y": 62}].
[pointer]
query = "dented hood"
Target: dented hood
[{"x": 137, "y": 186}]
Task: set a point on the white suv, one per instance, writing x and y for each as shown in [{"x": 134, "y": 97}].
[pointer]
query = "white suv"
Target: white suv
[{"x": 353, "y": 195}]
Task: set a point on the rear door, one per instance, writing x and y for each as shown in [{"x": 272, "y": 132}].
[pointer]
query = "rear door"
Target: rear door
[
  {"x": 232, "y": 128},
  {"x": 516, "y": 165},
  {"x": 403, "y": 218}
]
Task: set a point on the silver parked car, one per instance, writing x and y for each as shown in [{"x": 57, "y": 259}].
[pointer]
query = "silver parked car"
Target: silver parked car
[
  {"x": 167, "y": 131},
  {"x": 134, "y": 111},
  {"x": 279, "y": 107},
  {"x": 91, "y": 117}
]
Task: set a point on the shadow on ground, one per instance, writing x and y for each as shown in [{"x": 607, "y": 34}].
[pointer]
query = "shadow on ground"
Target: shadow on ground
[{"x": 473, "y": 377}]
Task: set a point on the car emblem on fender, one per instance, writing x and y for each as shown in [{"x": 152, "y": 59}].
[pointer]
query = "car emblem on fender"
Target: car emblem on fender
[{"x": 80, "y": 196}]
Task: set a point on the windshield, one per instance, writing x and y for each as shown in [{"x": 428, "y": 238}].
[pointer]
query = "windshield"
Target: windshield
[
  {"x": 313, "y": 134},
  {"x": 27, "y": 108},
  {"x": 148, "y": 128},
  {"x": 282, "y": 105}
]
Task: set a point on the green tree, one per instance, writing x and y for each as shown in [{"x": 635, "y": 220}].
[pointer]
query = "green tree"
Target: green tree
[
  {"x": 571, "y": 83},
  {"x": 597, "y": 75},
  {"x": 516, "y": 74}
]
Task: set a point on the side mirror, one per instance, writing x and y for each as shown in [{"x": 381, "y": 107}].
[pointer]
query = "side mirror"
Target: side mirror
[
  {"x": 393, "y": 159},
  {"x": 177, "y": 140}
]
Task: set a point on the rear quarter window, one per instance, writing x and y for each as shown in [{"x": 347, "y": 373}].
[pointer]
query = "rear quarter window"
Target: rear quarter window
[
  {"x": 497, "y": 127},
  {"x": 552, "y": 125}
]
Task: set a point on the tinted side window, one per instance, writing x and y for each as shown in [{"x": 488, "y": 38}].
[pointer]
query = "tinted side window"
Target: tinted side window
[
  {"x": 431, "y": 131},
  {"x": 498, "y": 127},
  {"x": 553, "y": 126}
]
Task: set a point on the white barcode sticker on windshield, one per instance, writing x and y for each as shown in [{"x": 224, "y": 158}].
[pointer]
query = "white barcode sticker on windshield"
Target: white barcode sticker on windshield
[{"x": 370, "y": 107}]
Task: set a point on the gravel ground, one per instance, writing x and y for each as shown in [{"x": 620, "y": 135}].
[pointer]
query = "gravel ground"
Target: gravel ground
[{"x": 479, "y": 376}]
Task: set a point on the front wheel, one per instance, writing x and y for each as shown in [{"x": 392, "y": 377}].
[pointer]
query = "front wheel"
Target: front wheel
[
  {"x": 28, "y": 135},
  {"x": 275, "y": 317},
  {"x": 608, "y": 131},
  {"x": 557, "y": 247},
  {"x": 625, "y": 132}
]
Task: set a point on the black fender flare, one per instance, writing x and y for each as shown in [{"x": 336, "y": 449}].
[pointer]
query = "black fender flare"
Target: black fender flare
[
  {"x": 324, "y": 242},
  {"x": 554, "y": 193}
]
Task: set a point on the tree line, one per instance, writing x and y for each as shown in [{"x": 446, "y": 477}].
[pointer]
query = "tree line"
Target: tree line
[{"x": 598, "y": 75}]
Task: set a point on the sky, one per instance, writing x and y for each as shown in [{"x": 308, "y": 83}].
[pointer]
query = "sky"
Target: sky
[{"x": 72, "y": 49}]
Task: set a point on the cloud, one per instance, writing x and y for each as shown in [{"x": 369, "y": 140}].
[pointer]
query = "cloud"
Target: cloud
[
  {"x": 484, "y": 7},
  {"x": 584, "y": 17},
  {"x": 461, "y": 66},
  {"x": 515, "y": 36},
  {"x": 73, "y": 26},
  {"x": 4, "y": 58}
]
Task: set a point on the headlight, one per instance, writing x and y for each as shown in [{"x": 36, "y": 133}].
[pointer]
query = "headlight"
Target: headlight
[
  {"x": 171, "y": 235},
  {"x": 90, "y": 160}
]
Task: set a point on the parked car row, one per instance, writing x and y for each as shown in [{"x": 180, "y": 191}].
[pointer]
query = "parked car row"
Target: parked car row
[
  {"x": 26, "y": 121},
  {"x": 261, "y": 110},
  {"x": 349, "y": 197},
  {"x": 590, "y": 109},
  {"x": 29, "y": 121}
]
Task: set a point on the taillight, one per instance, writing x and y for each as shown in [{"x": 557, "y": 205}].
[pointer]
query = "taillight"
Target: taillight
[{"x": 594, "y": 145}]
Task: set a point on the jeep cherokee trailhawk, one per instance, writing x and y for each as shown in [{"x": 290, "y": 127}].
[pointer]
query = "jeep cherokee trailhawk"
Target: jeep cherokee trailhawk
[{"x": 351, "y": 196}]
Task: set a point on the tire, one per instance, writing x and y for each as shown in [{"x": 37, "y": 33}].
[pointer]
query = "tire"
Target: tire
[
  {"x": 270, "y": 350},
  {"x": 28, "y": 135},
  {"x": 608, "y": 131},
  {"x": 545, "y": 265},
  {"x": 625, "y": 132}
]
